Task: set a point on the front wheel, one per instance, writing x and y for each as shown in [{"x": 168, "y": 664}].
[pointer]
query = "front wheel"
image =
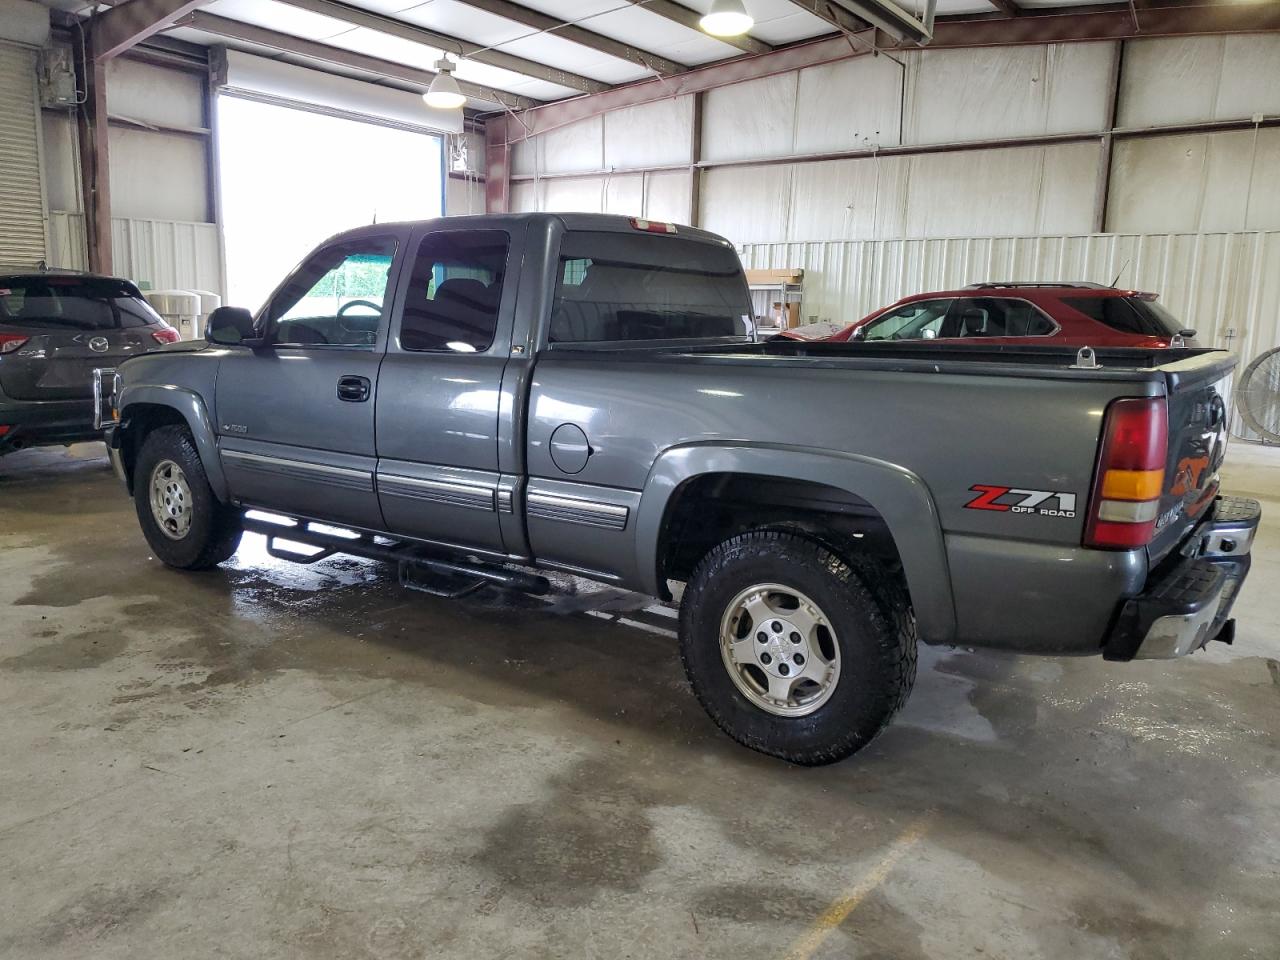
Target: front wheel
[
  {"x": 184, "y": 523},
  {"x": 790, "y": 652}
]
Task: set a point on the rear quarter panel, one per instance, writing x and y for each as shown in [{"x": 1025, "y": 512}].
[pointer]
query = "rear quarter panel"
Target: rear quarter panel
[{"x": 953, "y": 431}]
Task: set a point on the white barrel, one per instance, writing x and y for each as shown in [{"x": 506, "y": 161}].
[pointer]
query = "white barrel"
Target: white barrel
[
  {"x": 179, "y": 308},
  {"x": 209, "y": 302}
]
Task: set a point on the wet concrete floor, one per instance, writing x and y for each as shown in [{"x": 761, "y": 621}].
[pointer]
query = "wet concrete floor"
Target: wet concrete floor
[{"x": 270, "y": 760}]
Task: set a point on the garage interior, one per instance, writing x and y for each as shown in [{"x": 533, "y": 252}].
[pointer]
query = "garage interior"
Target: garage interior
[{"x": 274, "y": 759}]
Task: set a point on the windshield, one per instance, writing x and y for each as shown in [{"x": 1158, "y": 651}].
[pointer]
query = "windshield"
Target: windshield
[
  {"x": 618, "y": 287},
  {"x": 73, "y": 303}
]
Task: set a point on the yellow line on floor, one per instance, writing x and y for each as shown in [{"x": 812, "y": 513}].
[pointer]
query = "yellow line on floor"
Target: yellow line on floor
[{"x": 839, "y": 911}]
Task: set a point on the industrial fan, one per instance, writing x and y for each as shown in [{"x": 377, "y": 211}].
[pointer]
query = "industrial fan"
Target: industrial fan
[{"x": 1258, "y": 396}]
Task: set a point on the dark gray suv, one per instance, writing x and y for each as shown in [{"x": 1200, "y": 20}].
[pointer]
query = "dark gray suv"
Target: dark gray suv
[{"x": 55, "y": 328}]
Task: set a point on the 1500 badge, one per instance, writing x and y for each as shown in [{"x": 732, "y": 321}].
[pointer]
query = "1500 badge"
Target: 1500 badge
[{"x": 1045, "y": 503}]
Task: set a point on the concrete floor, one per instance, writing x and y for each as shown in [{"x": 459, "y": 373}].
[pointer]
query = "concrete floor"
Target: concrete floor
[{"x": 271, "y": 760}]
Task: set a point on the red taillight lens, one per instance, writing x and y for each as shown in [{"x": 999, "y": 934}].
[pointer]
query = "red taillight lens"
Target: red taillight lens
[
  {"x": 652, "y": 226},
  {"x": 166, "y": 335},
  {"x": 1130, "y": 478},
  {"x": 4, "y": 428},
  {"x": 10, "y": 342}
]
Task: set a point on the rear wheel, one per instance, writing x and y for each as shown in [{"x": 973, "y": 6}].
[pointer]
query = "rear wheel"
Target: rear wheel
[
  {"x": 184, "y": 523},
  {"x": 790, "y": 651}
]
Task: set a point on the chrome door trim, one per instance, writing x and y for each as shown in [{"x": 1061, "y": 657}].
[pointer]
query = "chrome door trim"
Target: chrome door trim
[
  {"x": 546, "y": 506},
  {"x": 303, "y": 469},
  {"x": 454, "y": 493}
]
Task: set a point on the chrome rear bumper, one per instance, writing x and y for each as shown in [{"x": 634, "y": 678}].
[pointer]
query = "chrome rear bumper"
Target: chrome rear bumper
[{"x": 1189, "y": 605}]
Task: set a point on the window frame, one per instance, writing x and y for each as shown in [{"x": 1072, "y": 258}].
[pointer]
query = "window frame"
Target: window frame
[
  {"x": 1054, "y": 326},
  {"x": 502, "y": 334},
  {"x": 268, "y": 327}
]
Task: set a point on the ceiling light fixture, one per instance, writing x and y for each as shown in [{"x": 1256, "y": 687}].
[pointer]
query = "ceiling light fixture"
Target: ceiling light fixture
[
  {"x": 727, "y": 18},
  {"x": 444, "y": 93}
]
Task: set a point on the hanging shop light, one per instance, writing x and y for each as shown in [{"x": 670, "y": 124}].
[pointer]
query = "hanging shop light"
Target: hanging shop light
[
  {"x": 444, "y": 93},
  {"x": 727, "y": 18}
]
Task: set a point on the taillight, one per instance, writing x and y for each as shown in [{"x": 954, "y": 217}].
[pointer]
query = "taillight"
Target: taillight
[
  {"x": 165, "y": 335},
  {"x": 10, "y": 342},
  {"x": 652, "y": 226},
  {"x": 1130, "y": 479}
]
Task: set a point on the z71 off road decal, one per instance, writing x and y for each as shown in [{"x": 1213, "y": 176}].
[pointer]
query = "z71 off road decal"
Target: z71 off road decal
[{"x": 1046, "y": 503}]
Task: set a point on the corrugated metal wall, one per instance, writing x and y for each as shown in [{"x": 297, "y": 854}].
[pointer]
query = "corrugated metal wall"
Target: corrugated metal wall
[
  {"x": 166, "y": 254},
  {"x": 1225, "y": 285}
]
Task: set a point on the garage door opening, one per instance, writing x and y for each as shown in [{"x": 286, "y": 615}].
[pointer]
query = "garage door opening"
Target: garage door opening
[{"x": 290, "y": 178}]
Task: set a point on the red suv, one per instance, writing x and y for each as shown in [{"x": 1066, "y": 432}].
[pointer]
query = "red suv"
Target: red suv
[{"x": 1067, "y": 314}]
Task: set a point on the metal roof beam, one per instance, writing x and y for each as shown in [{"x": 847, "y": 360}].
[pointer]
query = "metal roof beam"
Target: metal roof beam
[
  {"x": 312, "y": 50},
  {"x": 579, "y": 35},
  {"x": 1007, "y": 7},
  {"x": 358, "y": 17},
  {"x": 127, "y": 24},
  {"x": 837, "y": 16},
  {"x": 682, "y": 15}
]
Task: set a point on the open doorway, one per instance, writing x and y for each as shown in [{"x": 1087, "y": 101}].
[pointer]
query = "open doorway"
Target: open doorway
[{"x": 290, "y": 178}]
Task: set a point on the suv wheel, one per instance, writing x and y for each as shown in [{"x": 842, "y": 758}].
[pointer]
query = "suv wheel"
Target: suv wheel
[
  {"x": 182, "y": 520},
  {"x": 790, "y": 652}
]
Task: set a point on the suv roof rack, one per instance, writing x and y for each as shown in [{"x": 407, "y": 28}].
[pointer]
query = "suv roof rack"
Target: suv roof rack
[{"x": 1084, "y": 284}]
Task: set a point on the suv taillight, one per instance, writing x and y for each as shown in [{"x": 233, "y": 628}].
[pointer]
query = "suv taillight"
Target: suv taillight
[
  {"x": 10, "y": 342},
  {"x": 1130, "y": 478},
  {"x": 165, "y": 334}
]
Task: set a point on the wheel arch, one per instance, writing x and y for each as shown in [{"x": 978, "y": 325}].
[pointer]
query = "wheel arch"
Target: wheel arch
[
  {"x": 875, "y": 490},
  {"x": 145, "y": 407}
]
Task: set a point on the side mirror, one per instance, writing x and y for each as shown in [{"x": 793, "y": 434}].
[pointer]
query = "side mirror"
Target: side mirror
[
  {"x": 927, "y": 334},
  {"x": 1187, "y": 334},
  {"x": 229, "y": 326}
]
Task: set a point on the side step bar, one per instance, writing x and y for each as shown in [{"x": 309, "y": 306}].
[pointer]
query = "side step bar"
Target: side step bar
[{"x": 409, "y": 557}]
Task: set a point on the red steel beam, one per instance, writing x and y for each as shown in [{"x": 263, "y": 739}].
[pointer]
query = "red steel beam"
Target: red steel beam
[
  {"x": 1116, "y": 23},
  {"x": 127, "y": 24}
]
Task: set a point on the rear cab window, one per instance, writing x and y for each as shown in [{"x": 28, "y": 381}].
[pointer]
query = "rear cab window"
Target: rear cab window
[
  {"x": 619, "y": 288},
  {"x": 1135, "y": 315},
  {"x": 73, "y": 303}
]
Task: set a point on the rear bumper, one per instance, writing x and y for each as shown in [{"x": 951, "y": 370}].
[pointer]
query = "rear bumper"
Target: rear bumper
[
  {"x": 37, "y": 423},
  {"x": 1189, "y": 603}
]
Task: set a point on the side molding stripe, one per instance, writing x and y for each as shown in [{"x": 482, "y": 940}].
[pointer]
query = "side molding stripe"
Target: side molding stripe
[{"x": 546, "y": 506}]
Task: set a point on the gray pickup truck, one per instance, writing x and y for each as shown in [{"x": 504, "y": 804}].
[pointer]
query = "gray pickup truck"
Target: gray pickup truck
[{"x": 479, "y": 398}]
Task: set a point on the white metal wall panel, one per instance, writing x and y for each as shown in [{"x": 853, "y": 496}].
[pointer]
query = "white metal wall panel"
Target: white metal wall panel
[
  {"x": 870, "y": 116},
  {"x": 1190, "y": 79},
  {"x": 624, "y": 195},
  {"x": 526, "y": 197},
  {"x": 987, "y": 93},
  {"x": 463, "y": 197},
  {"x": 158, "y": 175},
  {"x": 752, "y": 119},
  {"x": 22, "y": 209},
  {"x": 1225, "y": 285},
  {"x": 165, "y": 254},
  {"x": 1196, "y": 182},
  {"x": 747, "y": 204},
  {"x": 668, "y": 195},
  {"x": 141, "y": 91},
  {"x": 575, "y": 195},
  {"x": 574, "y": 147},
  {"x": 848, "y": 199},
  {"x": 651, "y": 135}
]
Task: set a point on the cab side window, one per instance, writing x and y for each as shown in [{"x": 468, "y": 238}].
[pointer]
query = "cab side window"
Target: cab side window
[
  {"x": 335, "y": 299},
  {"x": 455, "y": 291}
]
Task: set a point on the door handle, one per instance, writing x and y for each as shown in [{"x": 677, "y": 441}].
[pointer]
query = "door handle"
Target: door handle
[{"x": 353, "y": 389}]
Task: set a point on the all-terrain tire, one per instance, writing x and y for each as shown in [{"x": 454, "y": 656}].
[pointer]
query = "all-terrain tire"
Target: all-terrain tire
[
  {"x": 870, "y": 616},
  {"x": 211, "y": 533}
]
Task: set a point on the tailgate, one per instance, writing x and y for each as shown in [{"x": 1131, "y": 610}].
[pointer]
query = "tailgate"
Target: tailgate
[{"x": 1197, "y": 445}]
